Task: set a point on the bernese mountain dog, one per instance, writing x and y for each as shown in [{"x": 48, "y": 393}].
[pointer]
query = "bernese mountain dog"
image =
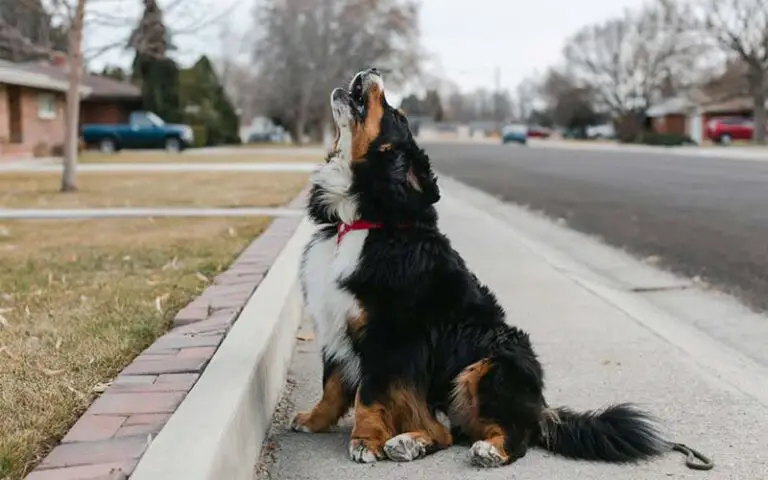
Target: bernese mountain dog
[{"x": 407, "y": 330}]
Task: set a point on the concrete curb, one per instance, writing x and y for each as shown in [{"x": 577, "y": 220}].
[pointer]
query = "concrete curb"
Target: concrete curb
[{"x": 218, "y": 430}]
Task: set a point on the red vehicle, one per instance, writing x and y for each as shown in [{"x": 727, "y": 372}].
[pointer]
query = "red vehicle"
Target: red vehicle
[
  {"x": 725, "y": 130},
  {"x": 538, "y": 132}
]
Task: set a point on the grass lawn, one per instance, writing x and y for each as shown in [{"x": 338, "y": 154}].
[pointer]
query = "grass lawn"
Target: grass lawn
[
  {"x": 245, "y": 155},
  {"x": 220, "y": 189},
  {"x": 80, "y": 299}
]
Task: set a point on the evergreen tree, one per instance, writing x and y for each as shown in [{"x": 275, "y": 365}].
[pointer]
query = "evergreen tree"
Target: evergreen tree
[
  {"x": 206, "y": 105},
  {"x": 153, "y": 71}
]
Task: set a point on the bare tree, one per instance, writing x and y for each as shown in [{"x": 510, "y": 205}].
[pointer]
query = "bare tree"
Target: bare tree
[
  {"x": 68, "y": 182},
  {"x": 306, "y": 47},
  {"x": 569, "y": 103},
  {"x": 740, "y": 28},
  {"x": 630, "y": 60},
  {"x": 524, "y": 96}
]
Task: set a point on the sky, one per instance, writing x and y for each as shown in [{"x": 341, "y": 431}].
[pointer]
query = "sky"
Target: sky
[
  {"x": 467, "y": 40},
  {"x": 471, "y": 38}
]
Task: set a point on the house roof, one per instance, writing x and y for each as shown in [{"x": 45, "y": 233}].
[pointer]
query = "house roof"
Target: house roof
[
  {"x": 11, "y": 74},
  {"x": 701, "y": 102},
  {"x": 670, "y": 106},
  {"x": 94, "y": 86}
]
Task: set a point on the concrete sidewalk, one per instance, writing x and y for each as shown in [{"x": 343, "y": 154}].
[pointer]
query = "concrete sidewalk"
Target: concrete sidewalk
[{"x": 600, "y": 343}]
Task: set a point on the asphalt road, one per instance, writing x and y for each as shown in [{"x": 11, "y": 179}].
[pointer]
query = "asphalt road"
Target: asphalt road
[{"x": 705, "y": 217}]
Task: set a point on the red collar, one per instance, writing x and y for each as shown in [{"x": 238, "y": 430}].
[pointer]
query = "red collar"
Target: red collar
[{"x": 344, "y": 228}]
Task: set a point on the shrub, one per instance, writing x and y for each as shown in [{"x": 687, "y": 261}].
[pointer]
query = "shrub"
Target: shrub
[
  {"x": 201, "y": 135},
  {"x": 41, "y": 149}
]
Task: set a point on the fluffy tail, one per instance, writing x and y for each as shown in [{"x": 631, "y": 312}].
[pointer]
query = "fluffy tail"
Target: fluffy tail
[{"x": 620, "y": 433}]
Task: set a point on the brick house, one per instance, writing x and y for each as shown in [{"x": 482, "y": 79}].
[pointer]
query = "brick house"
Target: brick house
[
  {"x": 31, "y": 111},
  {"x": 107, "y": 100},
  {"x": 689, "y": 116},
  {"x": 32, "y": 106}
]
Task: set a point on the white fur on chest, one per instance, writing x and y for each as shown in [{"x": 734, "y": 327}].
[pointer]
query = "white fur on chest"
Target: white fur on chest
[{"x": 330, "y": 306}]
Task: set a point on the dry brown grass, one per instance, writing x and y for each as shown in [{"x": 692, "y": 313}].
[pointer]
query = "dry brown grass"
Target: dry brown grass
[
  {"x": 256, "y": 156},
  {"x": 79, "y": 299},
  {"x": 220, "y": 189}
]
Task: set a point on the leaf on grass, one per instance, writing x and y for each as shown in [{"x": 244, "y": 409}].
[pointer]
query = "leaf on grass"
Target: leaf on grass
[
  {"x": 202, "y": 277},
  {"x": 159, "y": 302},
  {"x": 50, "y": 278},
  {"x": 306, "y": 337},
  {"x": 80, "y": 394},
  {"x": 58, "y": 344},
  {"x": 101, "y": 387},
  {"x": 51, "y": 373},
  {"x": 172, "y": 264},
  {"x": 231, "y": 232},
  {"x": 4, "y": 322}
]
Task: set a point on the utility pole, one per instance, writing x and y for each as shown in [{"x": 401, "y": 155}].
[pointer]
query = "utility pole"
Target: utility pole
[{"x": 497, "y": 98}]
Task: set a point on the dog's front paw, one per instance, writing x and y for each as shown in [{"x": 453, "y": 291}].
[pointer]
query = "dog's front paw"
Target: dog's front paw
[
  {"x": 484, "y": 454},
  {"x": 405, "y": 448},
  {"x": 301, "y": 423},
  {"x": 362, "y": 451}
]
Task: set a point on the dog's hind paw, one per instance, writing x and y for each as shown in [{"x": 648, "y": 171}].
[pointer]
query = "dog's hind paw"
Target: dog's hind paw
[
  {"x": 404, "y": 448},
  {"x": 484, "y": 454},
  {"x": 360, "y": 453}
]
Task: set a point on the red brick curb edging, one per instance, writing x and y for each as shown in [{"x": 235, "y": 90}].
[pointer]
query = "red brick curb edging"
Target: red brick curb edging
[{"x": 107, "y": 442}]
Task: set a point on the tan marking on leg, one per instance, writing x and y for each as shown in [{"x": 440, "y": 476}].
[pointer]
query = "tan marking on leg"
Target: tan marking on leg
[
  {"x": 331, "y": 407},
  {"x": 465, "y": 402},
  {"x": 386, "y": 147},
  {"x": 411, "y": 414},
  {"x": 373, "y": 427}
]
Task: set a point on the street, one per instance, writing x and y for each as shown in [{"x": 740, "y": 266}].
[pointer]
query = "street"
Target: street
[{"x": 705, "y": 217}]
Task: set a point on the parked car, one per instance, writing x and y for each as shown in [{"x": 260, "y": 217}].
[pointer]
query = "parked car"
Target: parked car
[
  {"x": 538, "y": 132},
  {"x": 725, "y": 130},
  {"x": 514, "y": 133},
  {"x": 143, "y": 130},
  {"x": 601, "y": 132}
]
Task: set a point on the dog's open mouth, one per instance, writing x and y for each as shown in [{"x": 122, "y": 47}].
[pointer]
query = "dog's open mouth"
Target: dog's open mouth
[{"x": 357, "y": 96}]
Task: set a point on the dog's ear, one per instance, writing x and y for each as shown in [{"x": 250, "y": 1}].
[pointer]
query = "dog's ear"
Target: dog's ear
[{"x": 421, "y": 178}]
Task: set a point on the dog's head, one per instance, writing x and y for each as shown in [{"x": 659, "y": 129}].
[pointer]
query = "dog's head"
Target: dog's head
[
  {"x": 375, "y": 170},
  {"x": 364, "y": 119}
]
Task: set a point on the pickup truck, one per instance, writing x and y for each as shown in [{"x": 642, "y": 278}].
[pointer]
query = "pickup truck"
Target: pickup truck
[{"x": 144, "y": 130}]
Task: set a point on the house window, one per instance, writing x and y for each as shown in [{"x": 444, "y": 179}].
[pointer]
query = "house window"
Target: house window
[{"x": 46, "y": 106}]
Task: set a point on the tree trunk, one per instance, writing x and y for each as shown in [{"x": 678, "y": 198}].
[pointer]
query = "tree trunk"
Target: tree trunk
[
  {"x": 297, "y": 133},
  {"x": 68, "y": 179}
]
